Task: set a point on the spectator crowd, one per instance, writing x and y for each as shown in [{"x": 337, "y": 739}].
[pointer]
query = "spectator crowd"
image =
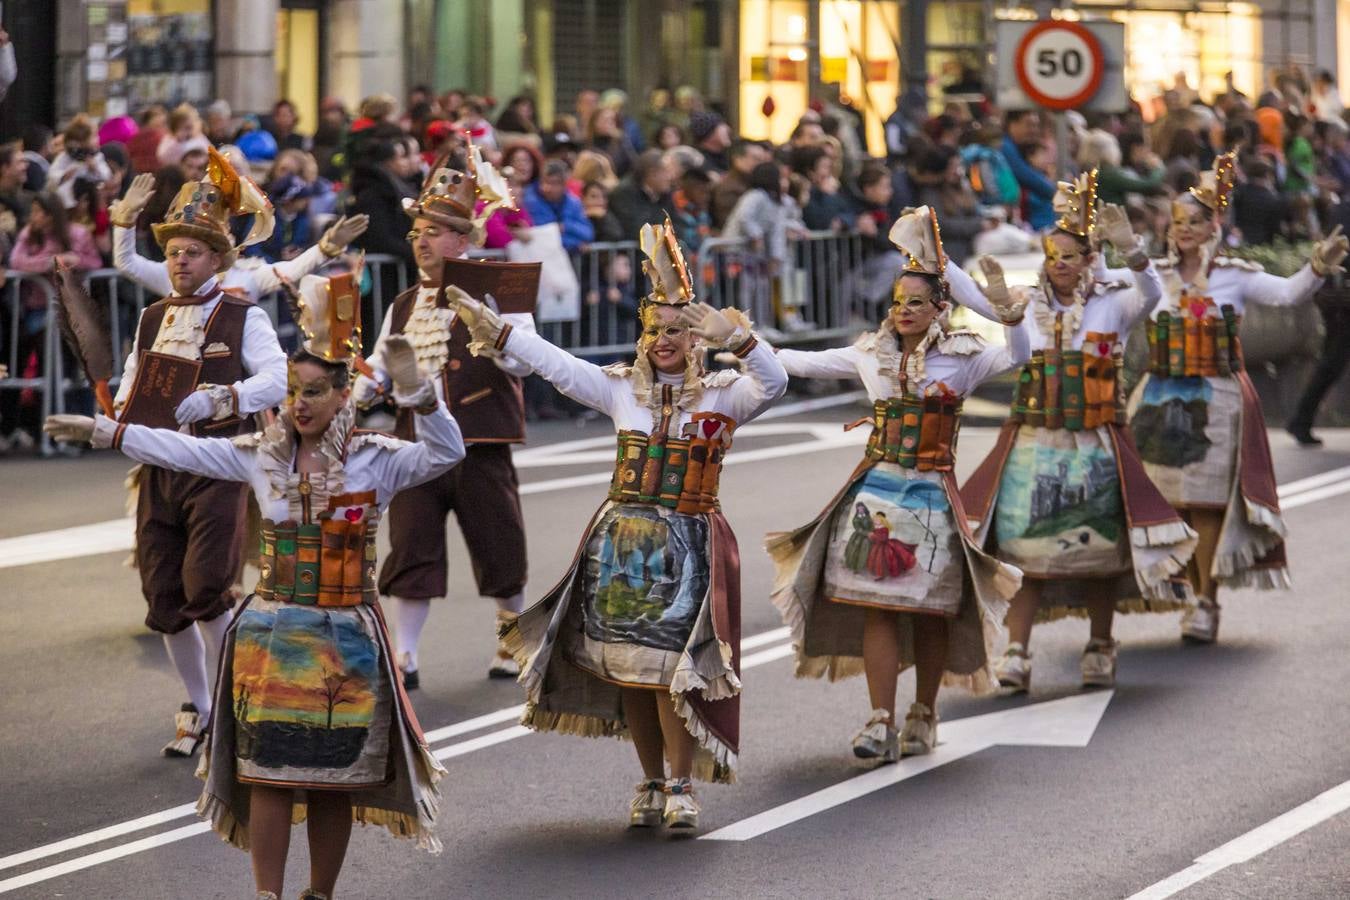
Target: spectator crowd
[{"x": 607, "y": 166}]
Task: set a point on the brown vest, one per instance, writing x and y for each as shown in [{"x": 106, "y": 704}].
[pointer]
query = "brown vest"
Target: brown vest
[
  {"x": 225, "y": 326},
  {"x": 487, "y": 403}
]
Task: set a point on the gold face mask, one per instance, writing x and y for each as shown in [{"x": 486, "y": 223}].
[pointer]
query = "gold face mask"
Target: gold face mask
[
  {"x": 653, "y": 328},
  {"x": 317, "y": 391},
  {"x": 1054, "y": 254},
  {"x": 1189, "y": 214},
  {"x": 910, "y": 303}
]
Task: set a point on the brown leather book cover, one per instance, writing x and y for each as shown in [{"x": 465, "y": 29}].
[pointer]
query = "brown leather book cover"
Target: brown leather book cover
[
  {"x": 162, "y": 382},
  {"x": 515, "y": 286}
]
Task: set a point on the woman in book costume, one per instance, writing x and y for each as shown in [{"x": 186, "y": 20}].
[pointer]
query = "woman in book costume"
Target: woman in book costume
[
  {"x": 1196, "y": 417},
  {"x": 310, "y": 716},
  {"x": 641, "y": 638},
  {"x": 1063, "y": 495},
  {"x": 888, "y": 576}
]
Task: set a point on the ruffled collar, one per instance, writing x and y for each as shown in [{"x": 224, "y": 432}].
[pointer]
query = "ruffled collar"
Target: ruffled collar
[
  {"x": 910, "y": 370},
  {"x": 688, "y": 390},
  {"x": 1047, "y": 307},
  {"x": 276, "y": 455}
]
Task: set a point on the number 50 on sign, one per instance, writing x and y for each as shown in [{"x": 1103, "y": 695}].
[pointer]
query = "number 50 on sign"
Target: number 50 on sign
[{"x": 1059, "y": 65}]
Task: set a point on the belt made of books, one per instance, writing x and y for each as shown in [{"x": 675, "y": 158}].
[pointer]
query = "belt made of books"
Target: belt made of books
[
  {"x": 1071, "y": 389},
  {"x": 1179, "y": 346},
  {"x": 914, "y": 432},
  {"x": 680, "y": 473},
  {"x": 327, "y": 563}
]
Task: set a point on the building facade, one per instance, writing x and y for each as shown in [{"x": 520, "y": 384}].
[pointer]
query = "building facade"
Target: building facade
[{"x": 761, "y": 62}]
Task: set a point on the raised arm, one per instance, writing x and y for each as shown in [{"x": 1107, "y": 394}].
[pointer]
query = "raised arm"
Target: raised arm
[
  {"x": 1272, "y": 290},
  {"x": 265, "y": 362},
  {"x": 583, "y": 381},
  {"x": 153, "y": 276},
  {"x": 439, "y": 446},
  {"x": 994, "y": 361},
  {"x": 764, "y": 382},
  {"x": 837, "y": 362},
  {"x": 1113, "y": 225},
  {"x": 329, "y": 246},
  {"x": 212, "y": 457},
  {"x": 363, "y": 391},
  {"x": 1141, "y": 301}
]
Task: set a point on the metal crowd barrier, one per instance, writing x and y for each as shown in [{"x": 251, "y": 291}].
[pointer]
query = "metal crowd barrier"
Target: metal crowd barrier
[{"x": 815, "y": 281}]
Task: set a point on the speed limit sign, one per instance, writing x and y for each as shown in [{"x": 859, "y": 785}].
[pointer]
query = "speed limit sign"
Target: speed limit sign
[{"x": 1059, "y": 64}]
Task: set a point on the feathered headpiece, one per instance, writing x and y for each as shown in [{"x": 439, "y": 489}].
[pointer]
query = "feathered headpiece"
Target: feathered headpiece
[
  {"x": 1216, "y": 185},
  {"x": 202, "y": 210},
  {"x": 918, "y": 236},
  {"x": 1076, "y": 204},
  {"x": 665, "y": 268}
]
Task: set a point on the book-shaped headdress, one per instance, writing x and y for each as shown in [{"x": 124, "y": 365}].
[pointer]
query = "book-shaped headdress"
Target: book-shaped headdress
[
  {"x": 452, "y": 198},
  {"x": 328, "y": 311},
  {"x": 917, "y": 235},
  {"x": 1076, "y": 205},
  {"x": 665, "y": 268},
  {"x": 1216, "y": 185}
]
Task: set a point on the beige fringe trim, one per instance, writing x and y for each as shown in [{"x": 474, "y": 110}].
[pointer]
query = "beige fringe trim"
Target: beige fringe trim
[
  {"x": 1133, "y": 605},
  {"x": 720, "y": 687},
  {"x": 714, "y": 761},
  {"x": 1238, "y": 569},
  {"x": 513, "y": 642},
  {"x": 235, "y": 833}
]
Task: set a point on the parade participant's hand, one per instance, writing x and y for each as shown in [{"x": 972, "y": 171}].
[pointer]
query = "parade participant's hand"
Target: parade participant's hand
[
  {"x": 1330, "y": 253},
  {"x": 343, "y": 232},
  {"x": 69, "y": 429},
  {"x": 1007, "y": 306},
  {"x": 400, "y": 360},
  {"x": 1113, "y": 223},
  {"x": 125, "y": 211},
  {"x": 484, "y": 324},
  {"x": 712, "y": 325},
  {"x": 195, "y": 407}
]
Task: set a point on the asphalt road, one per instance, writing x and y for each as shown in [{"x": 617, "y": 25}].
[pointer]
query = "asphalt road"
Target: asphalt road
[{"x": 1194, "y": 749}]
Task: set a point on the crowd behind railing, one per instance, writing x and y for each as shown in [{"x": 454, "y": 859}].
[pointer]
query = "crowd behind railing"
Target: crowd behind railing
[{"x": 795, "y": 234}]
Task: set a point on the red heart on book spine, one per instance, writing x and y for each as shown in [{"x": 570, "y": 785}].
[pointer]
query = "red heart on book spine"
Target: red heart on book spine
[
  {"x": 1198, "y": 309},
  {"x": 1103, "y": 348},
  {"x": 354, "y": 514},
  {"x": 709, "y": 427}
]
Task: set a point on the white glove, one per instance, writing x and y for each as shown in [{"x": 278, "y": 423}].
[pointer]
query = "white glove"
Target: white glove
[
  {"x": 69, "y": 429},
  {"x": 1113, "y": 224},
  {"x": 411, "y": 388},
  {"x": 343, "y": 232},
  {"x": 717, "y": 329},
  {"x": 1007, "y": 306},
  {"x": 1328, "y": 255},
  {"x": 125, "y": 211},
  {"x": 195, "y": 407},
  {"x": 485, "y": 326}
]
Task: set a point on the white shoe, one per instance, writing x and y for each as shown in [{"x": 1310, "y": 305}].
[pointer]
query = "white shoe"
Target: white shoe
[
  {"x": 919, "y": 735},
  {"x": 1099, "y": 663},
  {"x": 189, "y": 730},
  {"x": 1200, "y": 623},
  {"x": 1013, "y": 668},
  {"x": 649, "y": 804},
  {"x": 877, "y": 739},
  {"x": 681, "y": 807}
]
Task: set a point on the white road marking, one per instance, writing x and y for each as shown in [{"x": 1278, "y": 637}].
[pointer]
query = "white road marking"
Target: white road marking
[
  {"x": 1318, "y": 480},
  {"x": 1069, "y": 722},
  {"x": 1255, "y": 842},
  {"x": 497, "y": 717},
  {"x": 102, "y": 856}
]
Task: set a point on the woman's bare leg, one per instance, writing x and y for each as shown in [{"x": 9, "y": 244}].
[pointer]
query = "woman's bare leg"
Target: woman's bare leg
[
  {"x": 1022, "y": 612},
  {"x": 269, "y": 835},
  {"x": 1207, "y": 524},
  {"x": 679, "y": 742},
  {"x": 930, "y": 658},
  {"x": 881, "y": 658},
  {"x": 330, "y": 828},
  {"x": 644, "y": 724}
]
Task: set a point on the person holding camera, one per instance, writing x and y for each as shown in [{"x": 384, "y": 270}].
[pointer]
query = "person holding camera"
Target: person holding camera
[{"x": 80, "y": 157}]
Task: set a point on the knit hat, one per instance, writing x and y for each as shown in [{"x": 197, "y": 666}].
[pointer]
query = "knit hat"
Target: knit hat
[{"x": 702, "y": 124}]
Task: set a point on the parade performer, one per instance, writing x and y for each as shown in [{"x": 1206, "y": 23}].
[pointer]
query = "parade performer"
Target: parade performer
[
  {"x": 310, "y": 718},
  {"x": 249, "y": 278},
  {"x": 187, "y": 526},
  {"x": 486, "y": 398},
  {"x": 641, "y": 637},
  {"x": 1196, "y": 417},
  {"x": 1063, "y": 495},
  {"x": 888, "y": 576}
]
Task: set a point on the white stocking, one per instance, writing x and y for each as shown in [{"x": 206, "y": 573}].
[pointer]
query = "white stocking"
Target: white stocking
[
  {"x": 515, "y": 604},
  {"x": 412, "y": 616},
  {"x": 213, "y": 632},
  {"x": 187, "y": 652}
]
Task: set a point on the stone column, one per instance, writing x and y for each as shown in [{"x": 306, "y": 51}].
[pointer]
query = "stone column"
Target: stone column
[
  {"x": 246, "y": 45},
  {"x": 365, "y": 49}
]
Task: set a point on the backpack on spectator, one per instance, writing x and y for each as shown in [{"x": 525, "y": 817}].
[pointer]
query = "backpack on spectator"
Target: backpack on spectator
[{"x": 990, "y": 176}]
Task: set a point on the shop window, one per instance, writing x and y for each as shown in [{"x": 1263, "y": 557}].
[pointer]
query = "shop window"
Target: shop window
[
  {"x": 298, "y": 58},
  {"x": 169, "y": 52}
]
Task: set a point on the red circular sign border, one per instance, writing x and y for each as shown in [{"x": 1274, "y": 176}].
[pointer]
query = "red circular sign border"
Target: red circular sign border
[{"x": 1098, "y": 64}]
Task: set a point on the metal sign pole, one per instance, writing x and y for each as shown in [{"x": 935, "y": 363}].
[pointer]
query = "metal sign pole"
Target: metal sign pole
[{"x": 1062, "y": 145}]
